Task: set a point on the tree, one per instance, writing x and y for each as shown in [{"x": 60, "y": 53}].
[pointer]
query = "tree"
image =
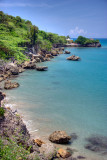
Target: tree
[{"x": 33, "y": 34}]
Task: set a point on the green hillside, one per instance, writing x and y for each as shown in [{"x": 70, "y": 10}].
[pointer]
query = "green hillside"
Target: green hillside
[{"x": 16, "y": 34}]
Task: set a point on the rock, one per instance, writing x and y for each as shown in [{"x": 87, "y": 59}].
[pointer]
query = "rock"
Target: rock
[
  {"x": 12, "y": 68},
  {"x": 73, "y": 58},
  {"x": 59, "y": 137},
  {"x": 2, "y": 96},
  {"x": 67, "y": 52},
  {"x": 60, "y": 52},
  {"x": 30, "y": 65},
  {"x": 1, "y": 79},
  {"x": 97, "y": 144},
  {"x": 21, "y": 70},
  {"x": 38, "y": 60},
  {"x": 63, "y": 153},
  {"x": 81, "y": 157},
  {"x": 48, "y": 150},
  {"x": 41, "y": 68},
  {"x": 49, "y": 56},
  {"x": 35, "y": 156},
  {"x": 62, "y": 48},
  {"x": 39, "y": 142},
  {"x": 54, "y": 53},
  {"x": 14, "y": 71},
  {"x": 9, "y": 85}
]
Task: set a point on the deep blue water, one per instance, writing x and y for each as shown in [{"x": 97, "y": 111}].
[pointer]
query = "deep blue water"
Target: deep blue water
[{"x": 70, "y": 96}]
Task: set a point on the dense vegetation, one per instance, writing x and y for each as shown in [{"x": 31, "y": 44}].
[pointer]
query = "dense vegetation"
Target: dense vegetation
[
  {"x": 9, "y": 150},
  {"x": 16, "y": 34},
  {"x": 83, "y": 40}
]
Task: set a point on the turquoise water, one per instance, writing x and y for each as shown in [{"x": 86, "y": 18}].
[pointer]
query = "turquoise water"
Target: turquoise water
[{"x": 70, "y": 96}]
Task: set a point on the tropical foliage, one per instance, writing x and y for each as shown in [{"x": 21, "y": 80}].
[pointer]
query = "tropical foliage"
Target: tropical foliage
[
  {"x": 83, "y": 40},
  {"x": 16, "y": 34}
]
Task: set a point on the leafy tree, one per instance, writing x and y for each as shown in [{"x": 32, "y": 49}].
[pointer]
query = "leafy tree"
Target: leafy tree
[{"x": 34, "y": 34}]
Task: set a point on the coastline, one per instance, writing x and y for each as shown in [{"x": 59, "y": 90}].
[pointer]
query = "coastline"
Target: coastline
[{"x": 94, "y": 159}]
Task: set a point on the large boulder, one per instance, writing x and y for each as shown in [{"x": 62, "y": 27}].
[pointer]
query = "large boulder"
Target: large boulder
[
  {"x": 12, "y": 68},
  {"x": 59, "y": 137},
  {"x": 9, "y": 85},
  {"x": 48, "y": 150},
  {"x": 73, "y": 58}
]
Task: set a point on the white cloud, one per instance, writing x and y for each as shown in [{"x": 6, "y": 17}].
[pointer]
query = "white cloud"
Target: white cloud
[
  {"x": 23, "y": 5},
  {"x": 76, "y": 31}
]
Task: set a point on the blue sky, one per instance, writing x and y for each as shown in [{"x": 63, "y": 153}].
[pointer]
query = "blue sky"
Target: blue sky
[{"x": 65, "y": 17}]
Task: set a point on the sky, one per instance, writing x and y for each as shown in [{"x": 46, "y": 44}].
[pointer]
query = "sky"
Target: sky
[{"x": 64, "y": 17}]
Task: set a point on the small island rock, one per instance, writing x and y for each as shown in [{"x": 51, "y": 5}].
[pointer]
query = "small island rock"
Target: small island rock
[
  {"x": 73, "y": 58},
  {"x": 67, "y": 52}
]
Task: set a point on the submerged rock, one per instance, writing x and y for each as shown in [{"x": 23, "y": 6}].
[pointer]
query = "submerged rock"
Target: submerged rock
[
  {"x": 60, "y": 137},
  {"x": 9, "y": 85},
  {"x": 97, "y": 144},
  {"x": 73, "y": 58}
]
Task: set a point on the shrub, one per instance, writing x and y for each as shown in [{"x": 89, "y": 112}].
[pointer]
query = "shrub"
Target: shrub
[{"x": 2, "y": 111}]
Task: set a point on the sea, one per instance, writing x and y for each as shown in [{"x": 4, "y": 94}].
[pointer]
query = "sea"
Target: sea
[{"x": 70, "y": 96}]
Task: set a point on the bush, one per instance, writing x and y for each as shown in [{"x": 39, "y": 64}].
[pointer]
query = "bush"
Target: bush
[{"x": 2, "y": 111}]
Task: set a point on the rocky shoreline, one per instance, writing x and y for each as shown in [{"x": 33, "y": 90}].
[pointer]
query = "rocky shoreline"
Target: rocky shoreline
[
  {"x": 11, "y": 123},
  {"x": 13, "y": 128}
]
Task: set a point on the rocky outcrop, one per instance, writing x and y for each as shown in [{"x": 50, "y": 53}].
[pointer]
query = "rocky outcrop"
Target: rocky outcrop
[
  {"x": 84, "y": 45},
  {"x": 59, "y": 137},
  {"x": 9, "y": 85},
  {"x": 41, "y": 68},
  {"x": 73, "y": 58}
]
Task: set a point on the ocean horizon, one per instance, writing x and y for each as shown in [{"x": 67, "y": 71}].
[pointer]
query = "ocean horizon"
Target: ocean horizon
[{"x": 70, "y": 96}]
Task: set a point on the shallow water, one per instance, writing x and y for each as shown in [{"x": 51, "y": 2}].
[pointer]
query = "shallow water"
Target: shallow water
[{"x": 70, "y": 96}]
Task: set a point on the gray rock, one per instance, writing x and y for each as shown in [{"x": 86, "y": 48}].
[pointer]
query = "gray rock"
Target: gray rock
[{"x": 48, "y": 150}]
